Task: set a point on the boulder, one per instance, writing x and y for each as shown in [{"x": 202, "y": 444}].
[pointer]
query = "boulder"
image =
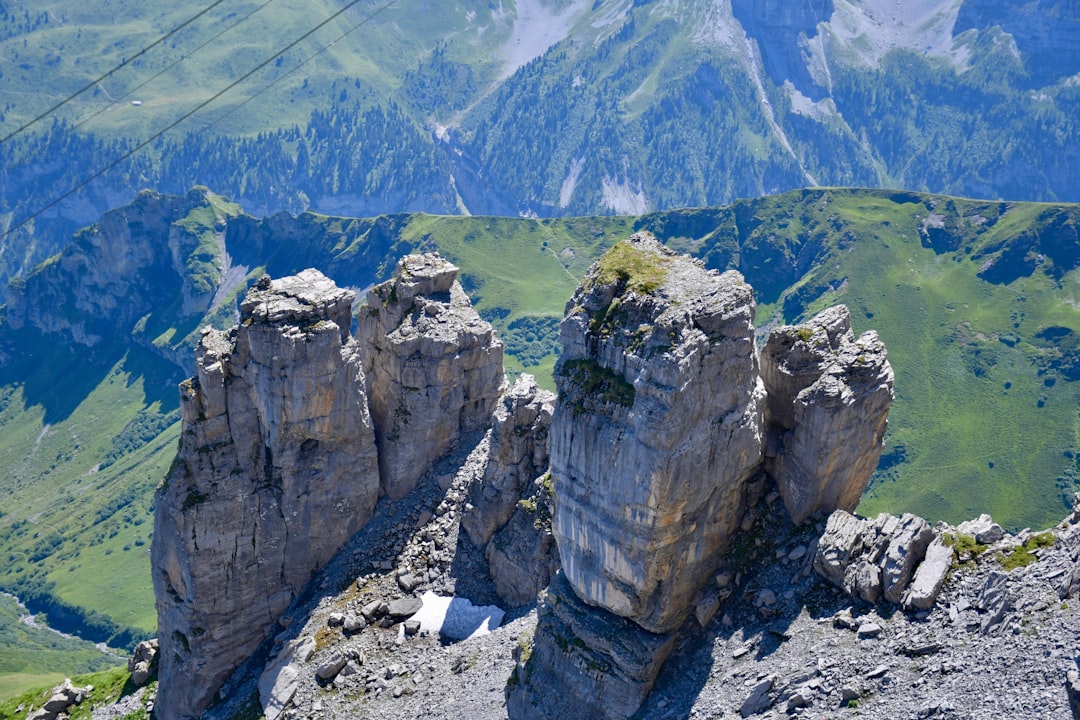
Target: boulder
[
  {"x": 872, "y": 559},
  {"x": 142, "y": 663},
  {"x": 281, "y": 677},
  {"x": 930, "y": 576},
  {"x": 434, "y": 367},
  {"x": 828, "y": 401},
  {"x": 276, "y": 469},
  {"x": 983, "y": 529},
  {"x": 656, "y": 430}
]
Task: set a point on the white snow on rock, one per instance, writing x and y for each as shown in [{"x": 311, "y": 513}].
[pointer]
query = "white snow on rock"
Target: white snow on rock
[{"x": 456, "y": 618}]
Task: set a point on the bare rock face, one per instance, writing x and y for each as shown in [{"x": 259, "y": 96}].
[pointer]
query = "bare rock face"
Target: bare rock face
[
  {"x": 435, "y": 368},
  {"x": 657, "y": 428},
  {"x": 828, "y": 401},
  {"x": 583, "y": 663},
  {"x": 875, "y": 559},
  {"x": 522, "y": 557},
  {"x": 519, "y": 454},
  {"x": 277, "y": 468},
  {"x": 509, "y": 510}
]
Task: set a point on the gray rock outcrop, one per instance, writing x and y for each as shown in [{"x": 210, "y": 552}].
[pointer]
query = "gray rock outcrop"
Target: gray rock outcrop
[
  {"x": 143, "y": 662},
  {"x": 872, "y": 559},
  {"x": 828, "y": 401},
  {"x": 276, "y": 469},
  {"x": 509, "y": 510},
  {"x": 657, "y": 428},
  {"x": 519, "y": 454},
  {"x": 583, "y": 663},
  {"x": 434, "y": 367},
  {"x": 63, "y": 697}
]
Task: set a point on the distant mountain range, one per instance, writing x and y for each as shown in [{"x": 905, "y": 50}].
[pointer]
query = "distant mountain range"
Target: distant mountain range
[{"x": 536, "y": 107}]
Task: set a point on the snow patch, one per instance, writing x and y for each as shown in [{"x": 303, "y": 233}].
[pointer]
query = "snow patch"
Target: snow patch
[{"x": 456, "y": 618}]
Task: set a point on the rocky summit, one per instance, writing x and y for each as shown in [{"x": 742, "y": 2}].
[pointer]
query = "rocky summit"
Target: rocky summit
[
  {"x": 672, "y": 534},
  {"x": 277, "y": 468}
]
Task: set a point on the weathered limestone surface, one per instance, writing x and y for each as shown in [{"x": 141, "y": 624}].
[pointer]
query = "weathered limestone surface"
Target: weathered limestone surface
[
  {"x": 509, "y": 510},
  {"x": 276, "y": 469},
  {"x": 519, "y": 454},
  {"x": 584, "y": 662},
  {"x": 521, "y": 555},
  {"x": 434, "y": 367},
  {"x": 657, "y": 427},
  {"x": 115, "y": 272},
  {"x": 828, "y": 400},
  {"x": 873, "y": 559}
]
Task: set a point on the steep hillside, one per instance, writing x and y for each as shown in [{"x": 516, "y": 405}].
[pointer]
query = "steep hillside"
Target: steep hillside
[
  {"x": 534, "y": 107},
  {"x": 976, "y": 302}
]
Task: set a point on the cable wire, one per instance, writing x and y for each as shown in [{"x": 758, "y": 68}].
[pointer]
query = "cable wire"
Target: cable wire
[
  {"x": 188, "y": 114},
  {"x": 183, "y": 57},
  {"x": 123, "y": 64},
  {"x": 301, "y": 64}
]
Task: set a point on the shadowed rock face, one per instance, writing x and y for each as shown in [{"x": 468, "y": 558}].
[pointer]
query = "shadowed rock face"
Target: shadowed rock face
[
  {"x": 829, "y": 398},
  {"x": 657, "y": 427},
  {"x": 435, "y": 368},
  {"x": 276, "y": 469},
  {"x": 509, "y": 509}
]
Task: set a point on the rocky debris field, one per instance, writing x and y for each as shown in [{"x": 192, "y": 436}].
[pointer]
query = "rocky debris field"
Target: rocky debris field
[{"x": 786, "y": 642}]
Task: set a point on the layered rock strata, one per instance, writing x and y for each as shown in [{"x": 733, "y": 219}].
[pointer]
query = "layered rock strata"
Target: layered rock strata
[
  {"x": 434, "y": 367},
  {"x": 876, "y": 559},
  {"x": 657, "y": 428},
  {"x": 828, "y": 401},
  {"x": 596, "y": 664},
  {"x": 277, "y": 467},
  {"x": 509, "y": 510}
]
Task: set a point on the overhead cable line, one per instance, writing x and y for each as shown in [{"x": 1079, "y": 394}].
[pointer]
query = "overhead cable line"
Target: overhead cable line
[
  {"x": 185, "y": 56},
  {"x": 124, "y": 63},
  {"x": 299, "y": 65},
  {"x": 188, "y": 114}
]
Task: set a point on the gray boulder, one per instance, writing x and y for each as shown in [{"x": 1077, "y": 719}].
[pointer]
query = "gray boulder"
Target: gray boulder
[{"x": 872, "y": 559}]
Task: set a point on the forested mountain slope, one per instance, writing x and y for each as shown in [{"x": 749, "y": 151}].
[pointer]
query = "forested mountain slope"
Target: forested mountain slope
[{"x": 536, "y": 107}]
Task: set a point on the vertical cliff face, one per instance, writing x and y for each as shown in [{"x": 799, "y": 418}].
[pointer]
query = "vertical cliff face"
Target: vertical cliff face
[
  {"x": 277, "y": 468},
  {"x": 829, "y": 397},
  {"x": 435, "y": 367},
  {"x": 115, "y": 272},
  {"x": 509, "y": 510},
  {"x": 657, "y": 427}
]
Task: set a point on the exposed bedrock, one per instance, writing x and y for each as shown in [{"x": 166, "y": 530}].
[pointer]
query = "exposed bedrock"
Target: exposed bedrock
[
  {"x": 657, "y": 427},
  {"x": 584, "y": 662},
  {"x": 509, "y": 509},
  {"x": 828, "y": 401},
  {"x": 276, "y": 470},
  {"x": 435, "y": 368}
]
